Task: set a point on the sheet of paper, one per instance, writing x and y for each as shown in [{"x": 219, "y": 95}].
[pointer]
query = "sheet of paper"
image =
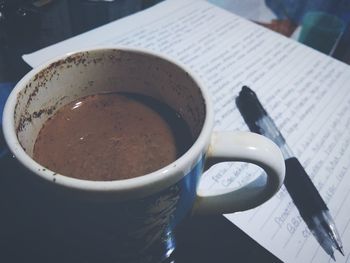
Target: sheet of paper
[
  {"x": 305, "y": 92},
  {"x": 250, "y": 9}
]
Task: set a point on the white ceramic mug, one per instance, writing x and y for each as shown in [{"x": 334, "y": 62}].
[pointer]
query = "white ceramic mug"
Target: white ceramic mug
[{"x": 137, "y": 216}]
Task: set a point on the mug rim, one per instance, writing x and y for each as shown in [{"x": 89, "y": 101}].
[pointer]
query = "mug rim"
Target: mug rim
[{"x": 141, "y": 185}]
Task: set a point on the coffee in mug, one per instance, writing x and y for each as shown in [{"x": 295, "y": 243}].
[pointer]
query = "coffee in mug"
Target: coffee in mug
[{"x": 112, "y": 136}]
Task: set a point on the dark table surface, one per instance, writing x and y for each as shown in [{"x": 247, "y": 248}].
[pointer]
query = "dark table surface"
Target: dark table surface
[
  {"x": 199, "y": 239},
  {"x": 24, "y": 28}
]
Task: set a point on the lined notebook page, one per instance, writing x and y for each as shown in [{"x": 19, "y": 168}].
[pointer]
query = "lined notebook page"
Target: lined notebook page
[{"x": 305, "y": 92}]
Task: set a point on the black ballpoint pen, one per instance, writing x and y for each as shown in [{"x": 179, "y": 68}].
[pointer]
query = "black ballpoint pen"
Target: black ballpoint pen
[{"x": 304, "y": 194}]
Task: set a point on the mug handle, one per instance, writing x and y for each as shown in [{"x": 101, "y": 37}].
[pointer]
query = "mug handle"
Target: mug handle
[{"x": 243, "y": 147}]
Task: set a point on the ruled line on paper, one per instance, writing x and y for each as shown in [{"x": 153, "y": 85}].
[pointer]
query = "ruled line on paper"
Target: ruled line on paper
[
  {"x": 343, "y": 202},
  {"x": 301, "y": 248},
  {"x": 256, "y": 211},
  {"x": 346, "y": 227},
  {"x": 315, "y": 254},
  {"x": 268, "y": 218},
  {"x": 268, "y": 82},
  {"x": 325, "y": 119},
  {"x": 290, "y": 206}
]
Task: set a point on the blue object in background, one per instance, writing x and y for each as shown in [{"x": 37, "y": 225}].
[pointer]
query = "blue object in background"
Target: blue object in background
[
  {"x": 321, "y": 31},
  {"x": 295, "y": 10},
  {"x": 5, "y": 89}
]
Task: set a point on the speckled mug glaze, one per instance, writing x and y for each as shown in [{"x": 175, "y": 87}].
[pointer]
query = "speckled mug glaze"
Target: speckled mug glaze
[{"x": 131, "y": 220}]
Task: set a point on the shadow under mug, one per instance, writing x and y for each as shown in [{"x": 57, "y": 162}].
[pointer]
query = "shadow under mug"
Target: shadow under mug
[{"x": 130, "y": 220}]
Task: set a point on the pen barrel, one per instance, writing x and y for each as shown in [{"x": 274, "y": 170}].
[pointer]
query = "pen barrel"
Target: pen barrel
[{"x": 302, "y": 190}]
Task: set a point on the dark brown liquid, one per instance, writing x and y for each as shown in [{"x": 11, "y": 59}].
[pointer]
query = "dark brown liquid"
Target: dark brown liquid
[{"x": 112, "y": 136}]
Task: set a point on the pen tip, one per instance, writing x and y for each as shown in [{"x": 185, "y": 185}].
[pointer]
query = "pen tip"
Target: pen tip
[
  {"x": 332, "y": 256},
  {"x": 339, "y": 247},
  {"x": 341, "y": 250}
]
